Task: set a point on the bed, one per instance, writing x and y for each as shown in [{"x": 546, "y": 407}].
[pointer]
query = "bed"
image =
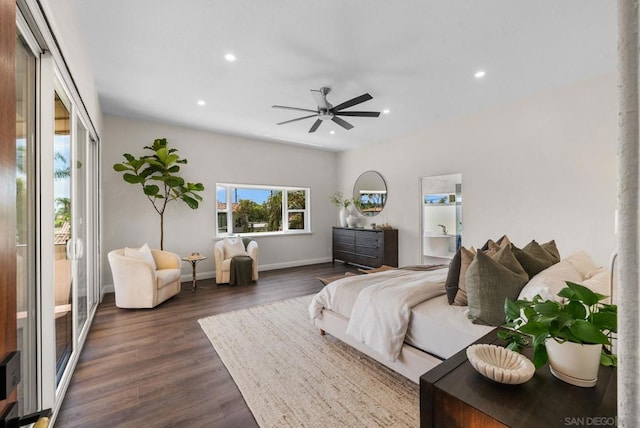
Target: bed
[
  {"x": 435, "y": 329},
  {"x": 405, "y": 319}
]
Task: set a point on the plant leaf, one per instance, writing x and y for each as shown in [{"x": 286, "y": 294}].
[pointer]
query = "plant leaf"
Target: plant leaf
[
  {"x": 132, "y": 178},
  {"x": 548, "y": 308},
  {"x": 511, "y": 310},
  {"x": 567, "y": 293},
  {"x": 540, "y": 356},
  {"x": 588, "y": 333},
  {"x": 605, "y": 321},
  {"x": 174, "y": 181},
  {"x": 576, "y": 310},
  {"x": 608, "y": 359},
  {"x": 534, "y": 328},
  {"x": 583, "y": 294},
  {"x": 151, "y": 190},
  {"x": 193, "y": 204},
  {"x": 120, "y": 167}
]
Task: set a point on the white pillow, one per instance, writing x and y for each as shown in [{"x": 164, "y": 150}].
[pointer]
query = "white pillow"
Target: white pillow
[
  {"x": 582, "y": 262},
  {"x": 143, "y": 253},
  {"x": 599, "y": 283},
  {"x": 550, "y": 281},
  {"x": 234, "y": 247}
]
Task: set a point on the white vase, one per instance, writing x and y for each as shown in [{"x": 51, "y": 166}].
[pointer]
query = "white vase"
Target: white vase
[
  {"x": 574, "y": 363},
  {"x": 342, "y": 216}
]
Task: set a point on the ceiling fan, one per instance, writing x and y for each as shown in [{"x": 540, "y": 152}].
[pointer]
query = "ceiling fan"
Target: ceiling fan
[{"x": 326, "y": 111}]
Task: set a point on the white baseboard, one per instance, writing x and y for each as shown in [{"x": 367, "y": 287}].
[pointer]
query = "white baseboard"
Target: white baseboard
[{"x": 108, "y": 288}]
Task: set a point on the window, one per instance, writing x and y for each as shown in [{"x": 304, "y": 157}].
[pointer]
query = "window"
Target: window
[{"x": 255, "y": 209}]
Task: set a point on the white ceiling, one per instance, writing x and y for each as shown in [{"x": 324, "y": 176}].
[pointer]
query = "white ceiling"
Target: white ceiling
[{"x": 155, "y": 59}]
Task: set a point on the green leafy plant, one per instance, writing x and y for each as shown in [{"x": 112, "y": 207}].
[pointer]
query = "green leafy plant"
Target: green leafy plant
[
  {"x": 157, "y": 174},
  {"x": 338, "y": 200},
  {"x": 582, "y": 319}
]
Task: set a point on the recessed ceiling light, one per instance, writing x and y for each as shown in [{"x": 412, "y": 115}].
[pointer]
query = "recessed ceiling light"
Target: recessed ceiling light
[
  {"x": 332, "y": 132},
  {"x": 386, "y": 111},
  {"x": 480, "y": 74},
  {"x": 230, "y": 57},
  {"x": 201, "y": 103}
]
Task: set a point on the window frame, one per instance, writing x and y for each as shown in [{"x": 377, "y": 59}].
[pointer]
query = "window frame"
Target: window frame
[{"x": 306, "y": 212}]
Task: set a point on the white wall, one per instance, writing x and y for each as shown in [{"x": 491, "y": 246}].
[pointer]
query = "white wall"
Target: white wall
[
  {"x": 63, "y": 18},
  {"x": 129, "y": 219},
  {"x": 542, "y": 168}
]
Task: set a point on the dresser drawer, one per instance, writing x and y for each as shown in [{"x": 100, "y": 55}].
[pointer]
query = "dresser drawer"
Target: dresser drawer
[
  {"x": 344, "y": 233},
  {"x": 366, "y": 247},
  {"x": 342, "y": 246},
  {"x": 369, "y": 234},
  {"x": 368, "y": 241},
  {"x": 369, "y": 251}
]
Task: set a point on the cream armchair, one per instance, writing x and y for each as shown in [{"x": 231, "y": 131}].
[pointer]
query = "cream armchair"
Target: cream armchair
[
  {"x": 138, "y": 285},
  {"x": 223, "y": 262}
]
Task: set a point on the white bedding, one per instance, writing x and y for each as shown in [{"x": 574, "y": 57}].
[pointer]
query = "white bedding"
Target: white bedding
[
  {"x": 379, "y": 323},
  {"x": 442, "y": 329},
  {"x": 381, "y": 314}
]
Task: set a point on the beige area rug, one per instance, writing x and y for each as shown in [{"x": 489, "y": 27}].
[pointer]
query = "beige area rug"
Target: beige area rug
[{"x": 291, "y": 376}]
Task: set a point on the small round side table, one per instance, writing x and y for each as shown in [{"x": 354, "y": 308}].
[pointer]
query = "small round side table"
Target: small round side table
[{"x": 194, "y": 258}]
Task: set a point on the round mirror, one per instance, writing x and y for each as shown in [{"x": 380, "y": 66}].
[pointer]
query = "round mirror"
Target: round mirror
[{"x": 370, "y": 193}]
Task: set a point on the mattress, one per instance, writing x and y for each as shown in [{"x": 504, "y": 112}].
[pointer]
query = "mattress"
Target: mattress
[{"x": 442, "y": 329}]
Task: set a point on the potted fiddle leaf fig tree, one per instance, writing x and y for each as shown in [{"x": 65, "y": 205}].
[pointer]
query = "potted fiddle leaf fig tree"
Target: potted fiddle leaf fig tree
[
  {"x": 157, "y": 174},
  {"x": 570, "y": 336}
]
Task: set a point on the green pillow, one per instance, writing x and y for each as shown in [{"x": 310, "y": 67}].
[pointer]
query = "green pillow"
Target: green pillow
[
  {"x": 533, "y": 258},
  {"x": 489, "y": 283},
  {"x": 453, "y": 277},
  {"x": 550, "y": 247}
]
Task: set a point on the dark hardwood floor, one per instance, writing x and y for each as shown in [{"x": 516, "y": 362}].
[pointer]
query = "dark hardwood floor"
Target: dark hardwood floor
[{"x": 156, "y": 368}]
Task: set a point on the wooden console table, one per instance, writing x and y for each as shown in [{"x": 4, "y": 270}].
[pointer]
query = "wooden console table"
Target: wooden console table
[
  {"x": 453, "y": 394},
  {"x": 365, "y": 247}
]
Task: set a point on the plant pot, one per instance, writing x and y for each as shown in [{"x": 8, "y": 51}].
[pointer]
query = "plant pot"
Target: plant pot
[{"x": 574, "y": 363}]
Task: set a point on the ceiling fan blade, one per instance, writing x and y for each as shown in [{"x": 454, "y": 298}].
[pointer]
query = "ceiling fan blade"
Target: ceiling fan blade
[
  {"x": 341, "y": 122},
  {"x": 295, "y": 108},
  {"x": 358, "y": 113},
  {"x": 353, "y": 101},
  {"x": 320, "y": 99},
  {"x": 315, "y": 126},
  {"x": 295, "y": 120}
]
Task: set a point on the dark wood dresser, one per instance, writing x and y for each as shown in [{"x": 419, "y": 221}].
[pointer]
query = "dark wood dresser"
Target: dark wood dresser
[
  {"x": 454, "y": 394},
  {"x": 366, "y": 247}
]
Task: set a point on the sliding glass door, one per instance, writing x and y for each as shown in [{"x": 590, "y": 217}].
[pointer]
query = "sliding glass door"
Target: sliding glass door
[
  {"x": 25, "y": 223},
  {"x": 57, "y": 203},
  {"x": 62, "y": 244}
]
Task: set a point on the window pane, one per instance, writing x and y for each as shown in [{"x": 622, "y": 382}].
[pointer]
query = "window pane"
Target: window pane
[
  {"x": 296, "y": 199},
  {"x": 273, "y": 209},
  {"x": 256, "y": 210},
  {"x": 80, "y": 217},
  {"x": 62, "y": 225},
  {"x": 260, "y": 209},
  {"x": 222, "y": 222},
  {"x": 221, "y": 208},
  {"x": 296, "y": 221}
]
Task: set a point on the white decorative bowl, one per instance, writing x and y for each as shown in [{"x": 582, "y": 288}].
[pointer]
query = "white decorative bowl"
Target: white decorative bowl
[{"x": 500, "y": 364}]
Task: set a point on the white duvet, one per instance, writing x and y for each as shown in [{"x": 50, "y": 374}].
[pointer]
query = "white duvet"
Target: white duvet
[{"x": 379, "y": 305}]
